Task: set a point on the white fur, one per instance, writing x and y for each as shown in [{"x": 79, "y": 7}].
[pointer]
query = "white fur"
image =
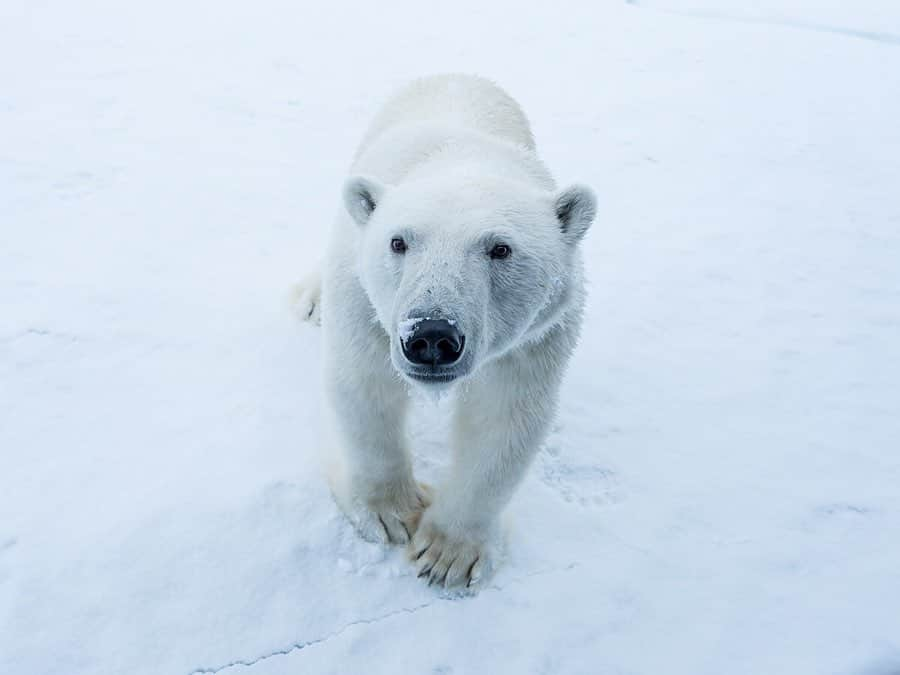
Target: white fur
[{"x": 449, "y": 165}]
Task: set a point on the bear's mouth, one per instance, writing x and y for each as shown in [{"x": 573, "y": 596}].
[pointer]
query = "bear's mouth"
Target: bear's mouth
[{"x": 432, "y": 378}]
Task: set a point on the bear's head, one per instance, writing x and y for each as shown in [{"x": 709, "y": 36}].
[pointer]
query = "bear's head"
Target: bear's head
[{"x": 460, "y": 274}]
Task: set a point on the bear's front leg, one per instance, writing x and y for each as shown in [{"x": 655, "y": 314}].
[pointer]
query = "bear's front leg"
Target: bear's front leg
[
  {"x": 500, "y": 422},
  {"x": 374, "y": 482},
  {"x": 372, "y": 479}
]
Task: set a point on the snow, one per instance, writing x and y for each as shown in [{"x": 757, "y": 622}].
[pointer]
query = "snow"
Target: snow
[
  {"x": 720, "y": 492},
  {"x": 407, "y": 327}
]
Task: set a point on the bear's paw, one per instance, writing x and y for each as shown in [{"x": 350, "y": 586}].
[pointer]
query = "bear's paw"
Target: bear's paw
[
  {"x": 306, "y": 298},
  {"x": 450, "y": 560},
  {"x": 391, "y": 520}
]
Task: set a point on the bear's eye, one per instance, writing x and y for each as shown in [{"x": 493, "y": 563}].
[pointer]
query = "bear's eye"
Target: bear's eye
[
  {"x": 500, "y": 251},
  {"x": 398, "y": 245}
]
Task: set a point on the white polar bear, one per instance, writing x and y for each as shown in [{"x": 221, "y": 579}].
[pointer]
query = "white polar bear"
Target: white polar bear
[{"x": 454, "y": 261}]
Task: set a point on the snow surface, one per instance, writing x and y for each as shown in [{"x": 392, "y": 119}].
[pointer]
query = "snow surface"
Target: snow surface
[{"x": 721, "y": 493}]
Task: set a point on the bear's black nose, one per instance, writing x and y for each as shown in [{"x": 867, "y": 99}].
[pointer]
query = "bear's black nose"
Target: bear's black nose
[{"x": 433, "y": 342}]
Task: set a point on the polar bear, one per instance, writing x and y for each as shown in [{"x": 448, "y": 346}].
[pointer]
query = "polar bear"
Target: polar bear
[{"x": 453, "y": 266}]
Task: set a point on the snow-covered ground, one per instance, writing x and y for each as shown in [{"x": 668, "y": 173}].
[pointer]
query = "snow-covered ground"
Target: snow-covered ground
[{"x": 722, "y": 491}]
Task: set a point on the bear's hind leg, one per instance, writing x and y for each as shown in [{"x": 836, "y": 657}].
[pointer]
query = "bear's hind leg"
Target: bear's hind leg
[{"x": 306, "y": 297}]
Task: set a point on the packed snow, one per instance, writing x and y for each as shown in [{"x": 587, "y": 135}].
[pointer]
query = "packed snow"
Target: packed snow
[{"x": 721, "y": 492}]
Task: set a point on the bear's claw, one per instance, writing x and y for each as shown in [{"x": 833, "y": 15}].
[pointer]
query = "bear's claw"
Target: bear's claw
[
  {"x": 448, "y": 562},
  {"x": 389, "y": 522}
]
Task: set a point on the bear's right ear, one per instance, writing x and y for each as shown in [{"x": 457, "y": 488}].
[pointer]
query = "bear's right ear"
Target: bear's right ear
[
  {"x": 361, "y": 197},
  {"x": 575, "y": 208}
]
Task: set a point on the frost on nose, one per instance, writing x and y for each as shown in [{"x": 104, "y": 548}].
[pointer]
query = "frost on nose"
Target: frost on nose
[{"x": 407, "y": 327}]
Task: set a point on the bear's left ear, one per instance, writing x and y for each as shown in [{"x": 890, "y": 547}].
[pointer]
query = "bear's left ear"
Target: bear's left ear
[
  {"x": 575, "y": 209},
  {"x": 361, "y": 197}
]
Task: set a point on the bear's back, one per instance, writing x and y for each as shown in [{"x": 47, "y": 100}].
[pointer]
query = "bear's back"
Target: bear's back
[{"x": 463, "y": 101}]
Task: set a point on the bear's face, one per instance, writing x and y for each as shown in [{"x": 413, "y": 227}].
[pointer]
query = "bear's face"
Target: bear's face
[{"x": 460, "y": 274}]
